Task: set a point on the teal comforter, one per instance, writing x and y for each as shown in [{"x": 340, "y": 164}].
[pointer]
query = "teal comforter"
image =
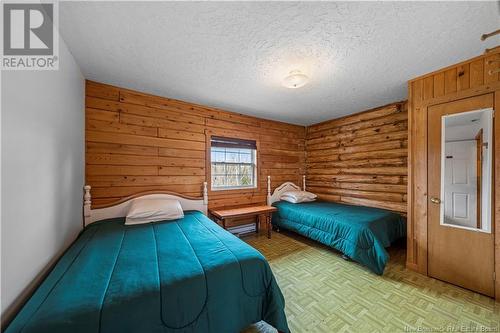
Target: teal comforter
[
  {"x": 187, "y": 275},
  {"x": 362, "y": 233}
]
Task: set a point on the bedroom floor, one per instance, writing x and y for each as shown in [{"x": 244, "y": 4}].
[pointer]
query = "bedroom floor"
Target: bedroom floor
[{"x": 325, "y": 293}]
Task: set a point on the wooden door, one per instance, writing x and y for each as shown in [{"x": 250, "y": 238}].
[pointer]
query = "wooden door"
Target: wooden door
[{"x": 462, "y": 256}]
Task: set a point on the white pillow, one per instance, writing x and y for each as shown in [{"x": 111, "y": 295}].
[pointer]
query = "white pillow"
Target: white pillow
[
  {"x": 153, "y": 210},
  {"x": 298, "y": 196}
]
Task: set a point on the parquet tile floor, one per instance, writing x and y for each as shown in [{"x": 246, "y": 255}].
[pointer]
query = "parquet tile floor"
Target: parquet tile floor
[{"x": 325, "y": 293}]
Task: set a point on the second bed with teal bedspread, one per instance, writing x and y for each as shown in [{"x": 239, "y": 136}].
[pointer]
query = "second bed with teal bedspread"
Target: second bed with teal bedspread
[
  {"x": 362, "y": 233},
  {"x": 186, "y": 275}
]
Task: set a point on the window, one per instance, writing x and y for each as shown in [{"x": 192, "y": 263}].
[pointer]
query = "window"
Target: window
[{"x": 233, "y": 163}]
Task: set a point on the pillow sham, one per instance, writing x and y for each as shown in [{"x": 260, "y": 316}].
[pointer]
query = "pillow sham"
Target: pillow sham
[
  {"x": 295, "y": 200},
  {"x": 153, "y": 210},
  {"x": 298, "y": 196}
]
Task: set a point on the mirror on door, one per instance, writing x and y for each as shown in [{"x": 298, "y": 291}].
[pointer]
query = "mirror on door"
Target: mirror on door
[{"x": 466, "y": 170}]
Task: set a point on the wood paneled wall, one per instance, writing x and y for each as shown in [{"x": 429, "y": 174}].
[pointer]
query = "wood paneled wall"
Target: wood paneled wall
[
  {"x": 474, "y": 77},
  {"x": 361, "y": 159},
  {"x": 137, "y": 142}
]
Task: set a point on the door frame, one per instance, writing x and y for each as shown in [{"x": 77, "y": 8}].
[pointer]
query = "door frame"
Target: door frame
[{"x": 479, "y": 181}]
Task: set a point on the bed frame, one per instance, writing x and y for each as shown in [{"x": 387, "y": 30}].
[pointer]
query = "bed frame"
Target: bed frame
[
  {"x": 278, "y": 191},
  {"x": 120, "y": 207}
]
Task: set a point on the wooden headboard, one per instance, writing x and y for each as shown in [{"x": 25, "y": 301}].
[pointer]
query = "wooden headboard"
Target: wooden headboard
[{"x": 120, "y": 208}]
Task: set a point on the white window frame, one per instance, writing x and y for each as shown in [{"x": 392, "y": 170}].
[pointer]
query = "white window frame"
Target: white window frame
[{"x": 238, "y": 187}]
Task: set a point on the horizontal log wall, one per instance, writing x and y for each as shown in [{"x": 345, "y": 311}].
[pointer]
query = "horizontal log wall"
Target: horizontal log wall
[
  {"x": 137, "y": 142},
  {"x": 361, "y": 159}
]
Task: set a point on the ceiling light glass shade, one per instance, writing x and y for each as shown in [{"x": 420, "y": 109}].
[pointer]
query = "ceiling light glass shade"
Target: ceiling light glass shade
[{"x": 295, "y": 80}]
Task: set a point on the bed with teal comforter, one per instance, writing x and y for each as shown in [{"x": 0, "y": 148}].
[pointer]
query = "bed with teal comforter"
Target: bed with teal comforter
[
  {"x": 361, "y": 233},
  {"x": 186, "y": 275}
]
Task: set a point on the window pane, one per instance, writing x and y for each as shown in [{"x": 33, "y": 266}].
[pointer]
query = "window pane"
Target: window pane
[
  {"x": 231, "y": 157},
  {"x": 246, "y": 157},
  {"x": 232, "y": 167},
  {"x": 246, "y": 180},
  {"x": 218, "y": 155},
  {"x": 232, "y": 180},
  {"x": 246, "y": 169},
  {"x": 218, "y": 181},
  {"x": 218, "y": 169}
]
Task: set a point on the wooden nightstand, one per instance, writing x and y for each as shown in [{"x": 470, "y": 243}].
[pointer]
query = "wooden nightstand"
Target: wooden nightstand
[{"x": 224, "y": 214}]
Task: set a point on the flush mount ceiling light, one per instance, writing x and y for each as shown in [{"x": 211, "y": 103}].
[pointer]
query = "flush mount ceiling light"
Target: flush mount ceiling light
[{"x": 295, "y": 79}]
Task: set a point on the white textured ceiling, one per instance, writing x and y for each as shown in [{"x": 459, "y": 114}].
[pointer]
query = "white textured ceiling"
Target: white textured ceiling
[{"x": 233, "y": 55}]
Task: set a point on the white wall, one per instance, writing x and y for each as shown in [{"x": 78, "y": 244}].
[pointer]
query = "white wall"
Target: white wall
[
  {"x": 466, "y": 132},
  {"x": 42, "y": 147}
]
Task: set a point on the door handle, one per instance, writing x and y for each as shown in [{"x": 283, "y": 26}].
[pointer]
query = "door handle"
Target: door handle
[{"x": 437, "y": 201}]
